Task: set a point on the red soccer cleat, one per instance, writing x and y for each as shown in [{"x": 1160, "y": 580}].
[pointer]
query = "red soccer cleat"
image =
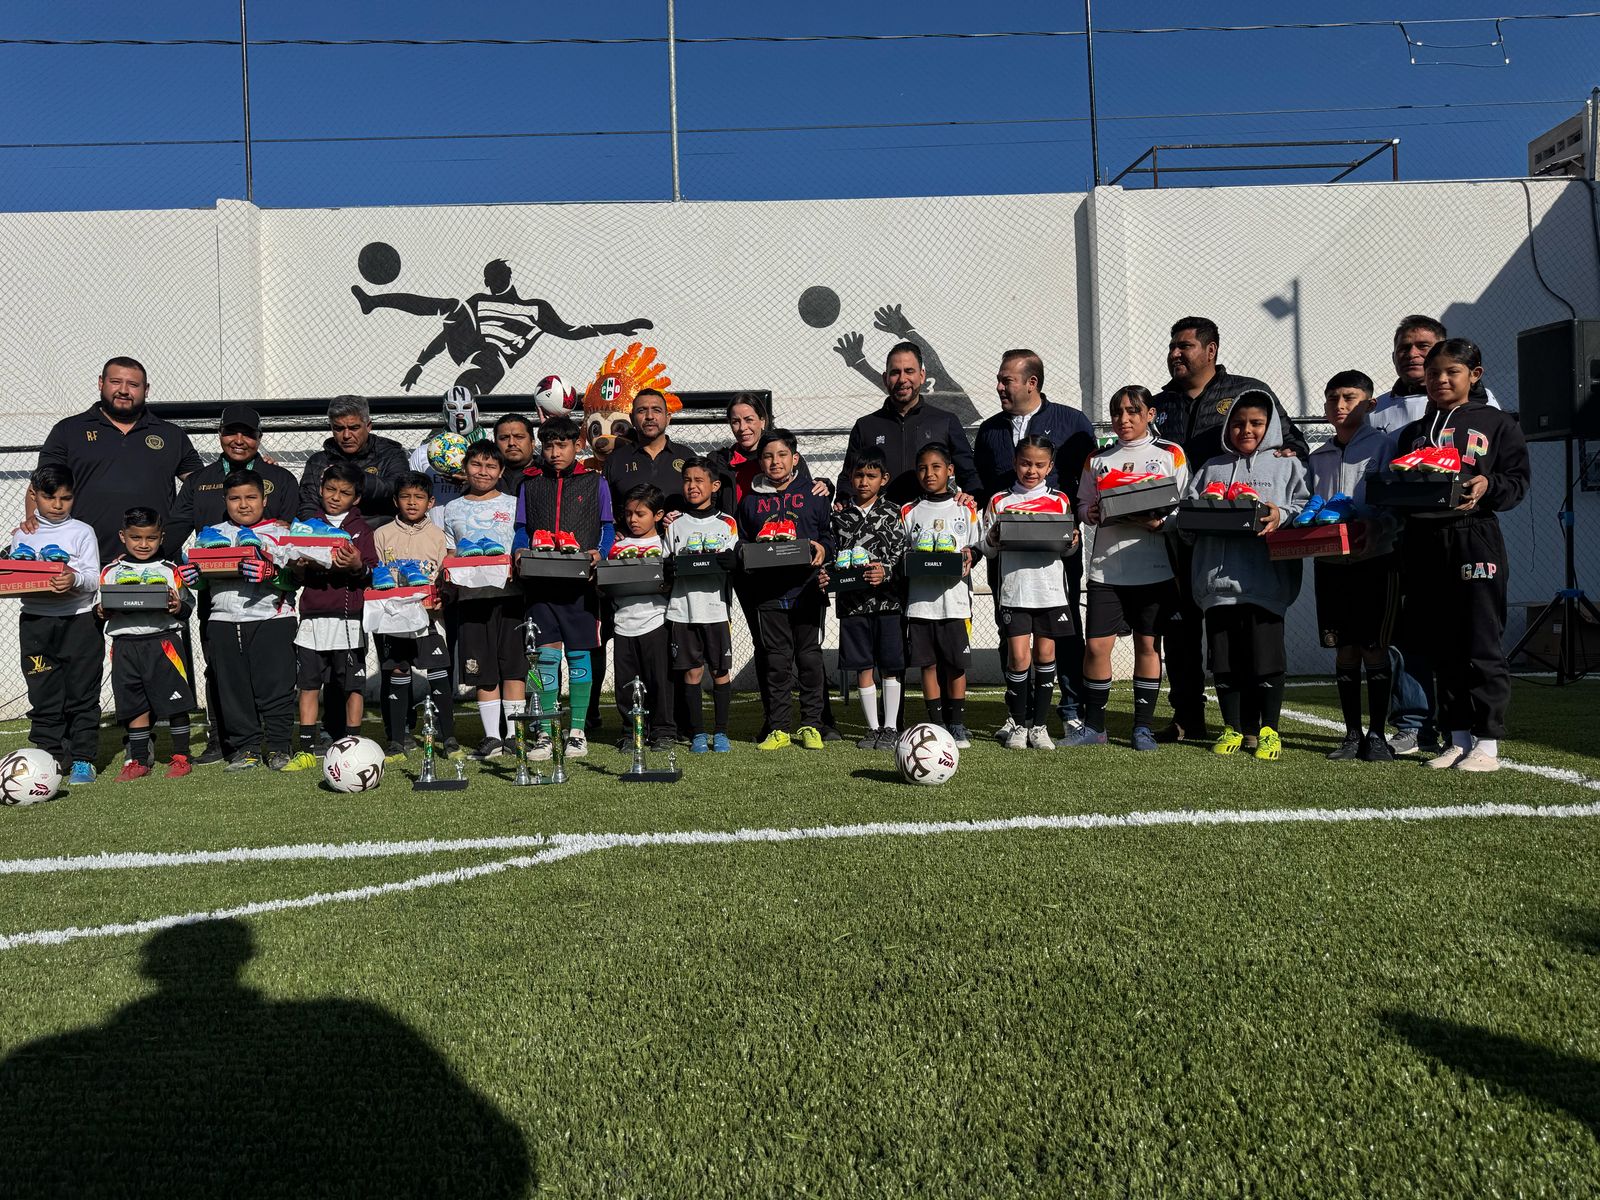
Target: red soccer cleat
[
  {"x": 179, "y": 767},
  {"x": 1215, "y": 491},
  {"x": 132, "y": 770},
  {"x": 1443, "y": 460},
  {"x": 1115, "y": 478},
  {"x": 772, "y": 531},
  {"x": 1242, "y": 491},
  {"x": 787, "y": 531},
  {"x": 1408, "y": 462},
  {"x": 566, "y": 542},
  {"x": 542, "y": 540}
]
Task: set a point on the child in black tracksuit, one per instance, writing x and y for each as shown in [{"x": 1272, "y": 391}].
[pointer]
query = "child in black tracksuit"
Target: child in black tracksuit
[
  {"x": 787, "y": 600},
  {"x": 1454, "y": 563}
]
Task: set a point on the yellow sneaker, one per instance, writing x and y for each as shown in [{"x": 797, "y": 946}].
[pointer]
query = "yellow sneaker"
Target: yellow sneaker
[
  {"x": 776, "y": 740},
  {"x": 1228, "y": 741},
  {"x": 809, "y": 737},
  {"x": 303, "y": 761},
  {"x": 1270, "y": 745}
]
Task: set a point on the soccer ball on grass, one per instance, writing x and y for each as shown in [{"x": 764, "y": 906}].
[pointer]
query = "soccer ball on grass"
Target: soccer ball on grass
[
  {"x": 927, "y": 754},
  {"x": 28, "y": 776},
  {"x": 353, "y": 764}
]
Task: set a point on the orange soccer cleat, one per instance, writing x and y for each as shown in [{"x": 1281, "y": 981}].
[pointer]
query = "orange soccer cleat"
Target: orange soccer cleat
[
  {"x": 566, "y": 542},
  {"x": 1216, "y": 490},
  {"x": 1442, "y": 460},
  {"x": 1115, "y": 478},
  {"x": 542, "y": 540},
  {"x": 1242, "y": 491}
]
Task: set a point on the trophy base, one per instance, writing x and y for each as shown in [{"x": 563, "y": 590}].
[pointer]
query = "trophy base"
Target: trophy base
[
  {"x": 439, "y": 785},
  {"x": 650, "y": 776}
]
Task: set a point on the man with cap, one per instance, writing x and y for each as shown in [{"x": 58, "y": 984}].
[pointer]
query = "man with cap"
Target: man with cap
[{"x": 200, "y": 503}]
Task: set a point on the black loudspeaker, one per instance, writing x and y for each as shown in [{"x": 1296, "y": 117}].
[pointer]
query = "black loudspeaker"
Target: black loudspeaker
[{"x": 1558, "y": 381}]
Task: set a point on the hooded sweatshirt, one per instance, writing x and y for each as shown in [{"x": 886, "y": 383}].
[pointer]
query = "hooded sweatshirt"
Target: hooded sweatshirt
[
  {"x": 813, "y": 521},
  {"x": 1491, "y": 444},
  {"x": 1235, "y": 569}
]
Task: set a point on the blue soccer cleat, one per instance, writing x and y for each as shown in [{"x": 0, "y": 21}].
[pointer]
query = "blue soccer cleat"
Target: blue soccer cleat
[
  {"x": 488, "y": 548},
  {"x": 248, "y": 538},
  {"x": 1309, "y": 512},
  {"x": 383, "y": 577},
  {"x": 1335, "y": 510},
  {"x": 82, "y": 772},
  {"x": 54, "y": 553},
  {"x": 700, "y": 745},
  {"x": 410, "y": 573},
  {"x": 22, "y": 554},
  {"x": 720, "y": 744},
  {"x": 211, "y": 538}
]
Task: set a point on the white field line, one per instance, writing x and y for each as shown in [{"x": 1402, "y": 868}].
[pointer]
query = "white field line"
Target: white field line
[{"x": 569, "y": 845}]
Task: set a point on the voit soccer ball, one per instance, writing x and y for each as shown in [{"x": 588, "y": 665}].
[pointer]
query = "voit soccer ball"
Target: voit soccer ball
[
  {"x": 927, "y": 754},
  {"x": 554, "y": 398},
  {"x": 447, "y": 453},
  {"x": 28, "y": 776},
  {"x": 353, "y": 764}
]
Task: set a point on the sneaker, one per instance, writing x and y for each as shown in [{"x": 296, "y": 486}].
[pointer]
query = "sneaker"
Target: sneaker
[
  {"x": 868, "y": 740},
  {"x": 22, "y": 554},
  {"x": 1143, "y": 739},
  {"x": 1228, "y": 741},
  {"x": 1082, "y": 736},
  {"x": 1336, "y": 511},
  {"x": 1039, "y": 738},
  {"x": 809, "y": 737},
  {"x": 209, "y": 538},
  {"x": 131, "y": 770},
  {"x": 945, "y": 543},
  {"x": 300, "y": 760},
  {"x": 776, "y": 740},
  {"x": 55, "y": 554},
  {"x": 1441, "y": 460},
  {"x": 962, "y": 736},
  {"x": 888, "y": 738},
  {"x": 212, "y": 754},
  {"x": 82, "y": 772},
  {"x": 490, "y": 747},
  {"x": 1017, "y": 739},
  {"x": 1004, "y": 732},
  {"x": 1308, "y": 514},
  {"x": 567, "y": 543},
  {"x": 542, "y": 748},
  {"x": 700, "y": 744},
  {"x": 925, "y": 542},
  {"x": 178, "y": 767},
  {"x": 660, "y": 745},
  {"x": 383, "y": 578},
  {"x": 1269, "y": 746},
  {"x": 842, "y": 560},
  {"x": 696, "y": 544},
  {"x": 577, "y": 744},
  {"x": 1216, "y": 490},
  {"x": 1351, "y": 748},
  {"x": 1446, "y": 759},
  {"x": 1476, "y": 761},
  {"x": 652, "y": 551},
  {"x": 789, "y": 531},
  {"x": 279, "y": 760},
  {"x": 720, "y": 744},
  {"x": 467, "y": 548},
  {"x": 768, "y": 531},
  {"x": 1375, "y": 749},
  {"x": 450, "y": 748},
  {"x": 489, "y": 549},
  {"x": 410, "y": 573},
  {"x": 393, "y": 752},
  {"x": 129, "y": 573},
  {"x": 1404, "y": 742},
  {"x": 1407, "y": 462},
  {"x": 859, "y": 557}
]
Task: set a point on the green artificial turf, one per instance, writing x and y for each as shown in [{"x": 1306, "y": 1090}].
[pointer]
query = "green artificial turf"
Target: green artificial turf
[{"x": 1245, "y": 1010}]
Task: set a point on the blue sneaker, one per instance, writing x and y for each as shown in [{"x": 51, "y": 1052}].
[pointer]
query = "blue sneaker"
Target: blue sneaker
[
  {"x": 700, "y": 744},
  {"x": 22, "y": 554},
  {"x": 720, "y": 743},
  {"x": 1309, "y": 512},
  {"x": 54, "y": 553},
  {"x": 1335, "y": 510},
  {"x": 248, "y": 537},
  {"x": 410, "y": 573},
  {"x": 488, "y": 548},
  {"x": 211, "y": 538},
  {"x": 1143, "y": 739},
  {"x": 1082, "y": 736},
  {"x": 468, "y": 548},
  {"x": 82, "y": 772},
  {"x": 382, "y": 577}
]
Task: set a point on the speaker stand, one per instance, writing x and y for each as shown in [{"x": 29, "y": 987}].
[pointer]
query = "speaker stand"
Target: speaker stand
[{"x": 1570, "y": 604}]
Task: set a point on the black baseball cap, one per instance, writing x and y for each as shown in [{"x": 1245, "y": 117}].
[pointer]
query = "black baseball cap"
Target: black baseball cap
[{"x": 242, "y": 414}]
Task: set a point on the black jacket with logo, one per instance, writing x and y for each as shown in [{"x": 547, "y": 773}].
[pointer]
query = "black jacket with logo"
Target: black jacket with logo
[
  {"x": 382, "y": 461},
  {"x": 1196, "y": 424},
  {"x": 1490, "y": 443},
  {"x": 899, "y": 438},
  {"x": 200, "y": 501},
  {"x": 628, "y": 466}
]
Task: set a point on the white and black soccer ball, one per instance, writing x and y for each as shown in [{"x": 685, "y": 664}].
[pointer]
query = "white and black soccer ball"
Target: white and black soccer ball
[
  {"x": 353, "y": 764},
  {"x": 554, "y": 398},
  {"x": 927, "y": 754},
  {"x": 28, "y": 776}
]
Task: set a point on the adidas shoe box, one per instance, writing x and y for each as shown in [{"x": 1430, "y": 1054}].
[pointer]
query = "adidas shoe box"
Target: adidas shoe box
[
  {"x": 763, "y": 556},
  {"x": 1037, "y": 531},
  {"x": 1415, "y": 491},
  {"x": 631, "y": 576},
  {"x": 1206, "y": 515},
  {"x": 544, "y": 564},
  {"x": 1152, "y": 497}
]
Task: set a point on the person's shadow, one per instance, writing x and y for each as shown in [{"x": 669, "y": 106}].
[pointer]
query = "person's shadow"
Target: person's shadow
[{"x": 208, "y": 1088}]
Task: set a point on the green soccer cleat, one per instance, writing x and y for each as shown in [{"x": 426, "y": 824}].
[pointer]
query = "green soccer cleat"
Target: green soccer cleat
[
  {"x": 1269, "y": 746},
  {"x": 1228, "y": 741}
]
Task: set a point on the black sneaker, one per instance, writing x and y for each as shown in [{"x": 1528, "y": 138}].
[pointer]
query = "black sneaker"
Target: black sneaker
[
  {"x": 213, "y": 753},
  {"x": 1375, "y": 749},
  {"x": 489, "y": 748},
  {"x": 660, "y": 745},
  {"x": 830, "y": 734},
  {"x": 1179, "y": 732},
  {"x": 888, "y": 738},
  {"x": 869, "y": 741},
  {"x": 449, "y": 747},
  {"x": 1352, "y": 748}
]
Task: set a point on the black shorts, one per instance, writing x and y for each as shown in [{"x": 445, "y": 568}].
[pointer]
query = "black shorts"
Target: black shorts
[
  {"x": 1358, "y": 603},
  {"x": 1035, "y": 622},
  {"x": 945, "y": 643},
  {"x": 148, "y": 675},
  {"x": 1118, "y": 609},
  {"x": 426, "y": 652},
  {"x": 344, "y": 669},
  {"x": 491, "y": 640},
  {"x": 574, "y": 623},
  {"x": 1244, "y": 640},
  {"x": 709, "y": 645},
  {"x": 868, "y": 640}
]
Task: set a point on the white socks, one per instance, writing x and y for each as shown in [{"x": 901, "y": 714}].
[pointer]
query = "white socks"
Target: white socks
[
  {"x": 1489, "y": 747},
  {"x": 489, "y": 710},
  {"x": 869, "y": 704},
  {"x": 891, "y": 702},
  {"x": 1461, "y": 739}
]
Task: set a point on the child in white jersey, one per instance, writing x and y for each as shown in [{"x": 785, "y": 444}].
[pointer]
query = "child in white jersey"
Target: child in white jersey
[{"x": 697, "y": 612}]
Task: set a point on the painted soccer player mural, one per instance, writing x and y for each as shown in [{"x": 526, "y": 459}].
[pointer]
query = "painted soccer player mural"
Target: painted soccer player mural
[{"x": 487, "y": 333}]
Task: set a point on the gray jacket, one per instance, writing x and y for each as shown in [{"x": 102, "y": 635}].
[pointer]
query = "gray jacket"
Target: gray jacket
[
  {"x": 1336, "y": 468},
  {"x": 1236, "y": 570}
]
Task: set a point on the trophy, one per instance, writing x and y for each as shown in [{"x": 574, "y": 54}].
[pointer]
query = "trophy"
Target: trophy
[
  {"x": 426, "y": 782},
  {"x": 637, "y": 772},
  {"x": 534, "y": 716}
]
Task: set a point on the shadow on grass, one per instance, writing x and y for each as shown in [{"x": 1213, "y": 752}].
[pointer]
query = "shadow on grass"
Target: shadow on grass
[
  {"x": 876, "y": 774},
  {"x": 206, "y": 1087},
  {"x": 1579, "y": 929},
  {"x": 1553, "y": 1079}
]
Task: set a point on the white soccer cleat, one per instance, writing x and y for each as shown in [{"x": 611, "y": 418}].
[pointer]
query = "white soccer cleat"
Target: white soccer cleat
[
  {"x": 1017, "y": 739},
  {"x": 577, "y": 744},
  {"x": 541, "y": 749},
  {"x": 1039, "y": 739}
]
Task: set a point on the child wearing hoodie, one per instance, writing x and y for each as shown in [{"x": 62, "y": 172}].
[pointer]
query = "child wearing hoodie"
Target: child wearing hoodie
[
  {"x": 1358, "y": 599},
  {"x": 787, "y": 601},
  {"x": 1454, "y": 562},
  {"x": 410, "y": 550},
  {"x": 1243, "y": 593}
]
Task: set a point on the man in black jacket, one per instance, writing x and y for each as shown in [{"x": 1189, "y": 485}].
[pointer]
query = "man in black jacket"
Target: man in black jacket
[
  {"x": 902, "y": 426},
  {"x": 380, "y": 460}
]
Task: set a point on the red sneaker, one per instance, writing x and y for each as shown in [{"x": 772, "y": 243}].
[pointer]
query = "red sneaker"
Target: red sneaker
[
  {"x": 132, "y": 770},
  {"x": 1443, "y": 460},
  {"x": 542, "y": 540},
  {"x": 566, "y": 542},
  {"x": 1242, "y": 491},
  {"x": 1409, "y": 462},
  {"x": 179, "y": 767},
  {"x": 1115, "y": 478},
  {"x": 1216, "y": 491}
]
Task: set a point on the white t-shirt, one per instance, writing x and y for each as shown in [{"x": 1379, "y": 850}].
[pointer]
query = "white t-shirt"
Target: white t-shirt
[
  {"x": 1125, "y": 553},
  {"x": 635, "y": 616},
  {"x": 700, "y": 599},
  {"x": 1028, "y": 578},
  {"x": 940, "y": 597}
]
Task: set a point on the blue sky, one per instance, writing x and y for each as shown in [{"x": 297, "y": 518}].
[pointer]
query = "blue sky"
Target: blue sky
[{"x": 1029, "y": 96}]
